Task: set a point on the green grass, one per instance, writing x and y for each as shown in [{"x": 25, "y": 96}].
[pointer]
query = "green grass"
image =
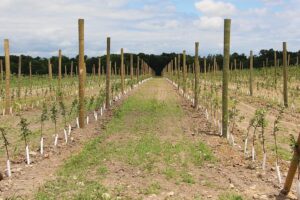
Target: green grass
[
  {"x": 153, "y": 188},
  {"x": 133, "y": 138},
  {"x": 230, "y": 196},
  {"x": 187, "y": 178},
  {"x": 102, "y": 170},
  {"x": 170, "y": 173}
]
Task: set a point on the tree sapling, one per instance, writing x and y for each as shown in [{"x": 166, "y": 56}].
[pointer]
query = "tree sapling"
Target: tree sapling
[
  {"x": 43, "y": 118},
  {"x": 5, "y": 141},
  {"x": 25, "y": 132}
]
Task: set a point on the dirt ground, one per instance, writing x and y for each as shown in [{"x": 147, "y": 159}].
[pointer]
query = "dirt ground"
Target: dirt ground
[
  {"x": 229, "y": 173},
  {"x": 26, "y": 179}
]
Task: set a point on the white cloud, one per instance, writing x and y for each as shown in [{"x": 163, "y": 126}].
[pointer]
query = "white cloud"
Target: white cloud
[
  {"x": 273, "y": 2},
  {"x": 209, "y": 23},
  {"x": 215, "y": 8}
]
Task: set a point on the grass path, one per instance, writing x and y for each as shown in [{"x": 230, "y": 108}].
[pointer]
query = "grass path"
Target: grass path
[{"x": 147, "y": 151}]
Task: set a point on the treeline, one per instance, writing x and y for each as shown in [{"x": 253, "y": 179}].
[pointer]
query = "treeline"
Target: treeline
[{"x": 156, "y": 62}]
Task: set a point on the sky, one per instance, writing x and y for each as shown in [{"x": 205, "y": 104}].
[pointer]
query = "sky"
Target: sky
[{"x": 41, "y": 27}]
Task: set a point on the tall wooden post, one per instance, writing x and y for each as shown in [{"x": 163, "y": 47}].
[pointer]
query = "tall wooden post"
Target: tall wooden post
[
  {"x": 204, "y": 63},
  {"x": 81, "y": 73},
  {"x": 108, "y": 72},
  {"x": 184, "y": 71},
  {"x": 138, "y": 68},
  {"x": 175, "y": 69},
  {"x": 227, "y": 24},
  {"x": 275, "y": 68},
  {"x": 131, "y": 69},
  {"x": 7, "y": 76},
  {"x": 179, "y": 70},
  {"x": 30, "y": 76},
  {"x": 122, "y": 71},
  {"x": 292, "y": 170},
  {"x": 197, "y": 70},
  {"x": 71, "y": 71},
  {"x": 94, "y": 71},
  {"x": 59, "y": 70},
  {"x": 285, "y": 75},
  {"x": 66, "y": 73},
  {"x": 251, "y": 74},
  {"x": 1, "y": 71},
  {"x": 50, "y": 70},
  {"x": 19, "y": 76},
  {"x": 99, "y": 67}
]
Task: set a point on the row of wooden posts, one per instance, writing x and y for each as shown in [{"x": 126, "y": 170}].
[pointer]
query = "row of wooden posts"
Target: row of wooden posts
[
  {"x": 144, "y": 70},
  {"x": 71, "y": 70},
  {"x": 179, "y": 72}
]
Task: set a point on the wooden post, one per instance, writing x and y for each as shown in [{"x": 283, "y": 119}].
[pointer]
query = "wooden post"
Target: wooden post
[
  {"x": 94, "y": 71},
  {"x": 275, "y": 68},
  {"x": 131, "y": 69},
  {"x": 108, "y": 71},
  {"x": 50, "y": 70},
  {"x": 292, "y": 170},
  {"x": 1, "y": 71},
  {"x": 176, "y": 69},
  {"x": 71, "y": 72},
  {"x": 138, "y": 68},
  {"x": 7, "y": 76},
  {"x": 122, "y": 72},
  {"x": 59, "y": 70},
  {"x": 81, "y": 73},
  {"x": 19, "y": 76},
  {"x": 184, "y": 72},
  {"x": 30, "y": 76},
  {"x": 251, "y": 74},
  {"x": 99, "y": 67},
  {"x": 197, "y": 69},
  {"x": 66, "y": 73},
  {"x": 285, "y": 75},
  {"x": 227, "y": 24},
  {"x": 179, "y": 68}
]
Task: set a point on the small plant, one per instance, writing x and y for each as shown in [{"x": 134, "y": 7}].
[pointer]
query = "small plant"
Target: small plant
[
  {"x": 253, "y": 123},
  {"x": 247, "y": 137},
  {"x": 234, "y": 117},
  {"x": 262, "y": 123},
  {"x": 6, "y": 143},
  {"x": 63, "y": 112},
  {"x": 259, "y": 121},
  {"x": 25, "y": 132},
  {"x": 54, "y": 120},
  {"x": 275, "y": 130},
  {"x": 43, "y": 118}
]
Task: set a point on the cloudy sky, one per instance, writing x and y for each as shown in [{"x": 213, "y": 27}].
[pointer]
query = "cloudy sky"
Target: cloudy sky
[{"x": 41, "y": 27}]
